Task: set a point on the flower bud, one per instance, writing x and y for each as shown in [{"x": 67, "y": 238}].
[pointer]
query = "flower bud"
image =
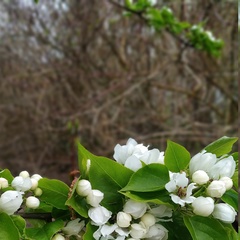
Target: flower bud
[
  {"x": 148, "y": 220},
  {"x": 223, "y": 168},
  {"x": 58, "y": 237},
  {"x": 32, "y": 202},
  {"x": 136, "y": 209},
  {"x": 94, "y": 198},
  {"x": 10, "y": 201},
  {"x": 21, "y": 184},
  {"x": 99, "y": 215},
  {"x": 216, "y": 189},
  {"x": 203, "y": 206},
  {"x": 202, "y": 161},
  {"x": 200, "y": 177},
  {"x": 227, "y": 181},
  {"x": 123, "y": 219},
  {"x": 36, "y": 176},
  {"x": 83, "y": 187},
  {"x": 34, "y": 183},
  {"x": 224, "y": 212},
  {"x": 24, "y": 174},
  {"x": 38, "y": 192},
  {"x": 73, "y": 227},
  {"x": 3, "y": 183},
  {"x": 138, "y": 231}
]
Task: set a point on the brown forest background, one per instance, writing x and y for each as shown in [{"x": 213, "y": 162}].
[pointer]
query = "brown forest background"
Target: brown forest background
[{"x": 79, "y": 69}]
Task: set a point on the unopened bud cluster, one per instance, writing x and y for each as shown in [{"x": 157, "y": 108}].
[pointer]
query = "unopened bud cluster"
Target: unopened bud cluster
[{"x": 13, "y": 197}]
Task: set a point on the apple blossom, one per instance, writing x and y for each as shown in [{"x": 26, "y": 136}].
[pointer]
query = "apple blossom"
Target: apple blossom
[
  {"x": 179, "y": 185},
  {"x": 3, "y": 183},
  {"x": 94, "y": 197},
  {"x": 203, "y": 206},
  {"x": 216, "y": 189},
  {"x": 10, "y": 201},
  {"x": 99, "y": 215},
  {"x": 161, "y": 211},
  {"x": 123, "y": 219},
  {"x": 36, "y": 176},
  {"x": 136, "y": 209},
  {"x": 34, "y": 183},
  {"x": 138, "y": 230},
  {"x": 223, "y": 168},
  {"x": 202, "y": 161},
  {"x": 157, "y": 232},
  {"x": 200, "y": 177},
  {"x": 148, "y": 220},
  {"x": 32, "y": 202},
  {"x": 224, "y": 212},
  {"x": 227, "y": 181},
  {"x": 83, "y": 187},
  {"x": 21, "y": 184},
  {"x": 73, "y": 227}
]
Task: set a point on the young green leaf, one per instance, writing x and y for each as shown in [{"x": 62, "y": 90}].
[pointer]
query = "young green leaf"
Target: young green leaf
[
  {"x": 205, "y": 228},
  {"x": 8, "y": 229},
  {"x": 150, "y": 178},
  {"x": 176, "y": 157},
  {"x": 221, "y": 146},
  {"x": 54, "y": 193},
  {"x": 90, "y": 229},
  {"x": 6, "y": 174}
]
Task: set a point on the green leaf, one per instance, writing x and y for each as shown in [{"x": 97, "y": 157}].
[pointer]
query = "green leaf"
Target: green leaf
[
  {"x": 46, "y": 232},
  {"x": 221, "y": 146},
  {"x": 54, "y": 193},
  {"x": 78, "y": 204},
  {"x": 20, "y": 223},
  {"x": 8, "y": 229},
  {"x": 150, "y": 178},
  {"x": 90, "y": 229},
  {"x": 158, "y": 197},
  {"x": 231, "y": 197},
  {"x": 176, "y": 157},
  {"x": 235, "y": 179},
  {"x": 105, "y": 175},
  {"x": 205, "y": 228},
  {"x": 6, "y": 174}
]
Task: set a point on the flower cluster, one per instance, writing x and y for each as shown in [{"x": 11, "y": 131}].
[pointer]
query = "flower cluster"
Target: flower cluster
[
  {"x": 144, "y": 194},
  {"x": 13, "y": 192}
]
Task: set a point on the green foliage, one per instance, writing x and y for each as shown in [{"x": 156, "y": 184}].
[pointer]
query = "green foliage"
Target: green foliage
[
  {"x": 221, "y": 146},
  {"x": 55, "y": 192},
  {"x": 206, "y": 228},
  {"x": 176, "y": 157},
  {"x": 231, "y": 197}
]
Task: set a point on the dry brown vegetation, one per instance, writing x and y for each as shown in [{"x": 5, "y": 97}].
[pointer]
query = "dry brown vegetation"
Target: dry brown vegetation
[{"x": 86, "y": 71}]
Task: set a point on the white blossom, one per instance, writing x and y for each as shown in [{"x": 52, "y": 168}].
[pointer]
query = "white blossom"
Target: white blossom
[
  {"x": 224, "y": 212},
  {"x": 21, "y": 184},
  {"x": 3, "y": 183},
  {"x": 123, "y": 219},
  {"x": 99, "y": 215},
  {"x": 73, "y": 227},
  {"x": 36, "y": 176},
  {"x": 94, "y": 197},
  {"x": 24, "y": 174},
  {"x": 157, "y": 232},
  {"x": 161, "y": 211},
  {"x": 10, "y": 201},
  {"x": 32, "y": 202},
  {"x": 58, "y": 237},
  {"x": 216, "y": 189},
  {"x": 200, "y": 177},
  {"x": 148, "y": 220},
  {"x": 227, "y": 181},
  {"x": 202, "y": 161},
  {"x": 203, "y": 206},
  {"x": 223, "y": 168},
  {"x": 83, "y": 187},
  {"x": 38, "y": 192},
  {"x": 34, "y": 183},
  {"x": 180, "y": 190},
  {"x": 138, "y": 230},
  {"x": 136, "y": 209}
]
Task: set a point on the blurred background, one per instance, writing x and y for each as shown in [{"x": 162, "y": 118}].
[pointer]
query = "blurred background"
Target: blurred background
[{"x": 79, "y": 69}]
